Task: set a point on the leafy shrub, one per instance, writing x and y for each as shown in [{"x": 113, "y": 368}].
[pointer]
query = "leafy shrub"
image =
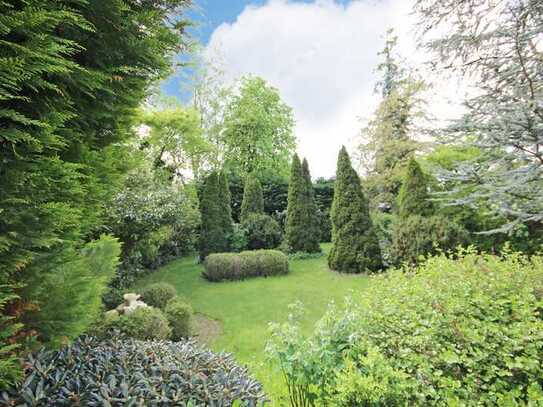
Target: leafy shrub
[
  {"x": 263, "y": 232},
  {"x": 238, "y": 266},
  {"x": 450, "y": 332},
  {"x": 131, "y": 372},
  {"x": 238, "y": 238},
  {"x": 68, "y": 297},
  {"x": 158, "y": 294},
  {"x": 384, "y": 229},
  {"x": 417, "y": 236},
  {"x": 10, "y": 368},
  {"x": 143, "y": 323},
  {"x": 179, "y": 315}
]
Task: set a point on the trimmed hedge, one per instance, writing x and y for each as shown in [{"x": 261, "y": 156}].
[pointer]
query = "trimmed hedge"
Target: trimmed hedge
[
  {"x": 143, "y": 323},
  {"x": 238, "y": 266},
  {"x": 179, "y": 315},
  {"x": 127, "y": 372},
  {"x": 158, "y": 294}
]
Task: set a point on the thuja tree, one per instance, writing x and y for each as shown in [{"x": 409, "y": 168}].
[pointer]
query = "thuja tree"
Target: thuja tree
[
  {"x": 73, "y": 74},
  {"x": 225, "y": 207},
  {"x": 499, "y": 44},
  {"x": 420, "y": 229},
  {"x": 253, "y": 201},
  {"x": 355, "y": 248},
  {"x": 313, "y": 230},
  {"x": 296, "y": 209},
  {"x": 413, "y": 198},
  {"x": 212, "y": 237}
]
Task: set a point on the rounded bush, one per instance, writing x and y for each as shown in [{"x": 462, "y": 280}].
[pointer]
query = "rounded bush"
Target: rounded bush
[
  {"x": 179, "y": 315},
  {"x": 143, "y": 323},
  {"x": 127, "y": 372},
  {"x": 158, "y": 294},
  {"x": 238, "y": 266},
  {"x": 417, "y": 236},
  {"x": 263, "y": 232}
]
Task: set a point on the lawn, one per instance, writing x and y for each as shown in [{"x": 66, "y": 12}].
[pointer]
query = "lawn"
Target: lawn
[{"x": 245, "y": 308}]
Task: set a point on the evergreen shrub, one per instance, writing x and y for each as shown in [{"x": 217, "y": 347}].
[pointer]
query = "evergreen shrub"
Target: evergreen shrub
[
  {"x": 179, "y": 315},
  {"x": 158, "y": 294},
  {"x": 129, "y": 372},
  {"x": 144, "y": 323},
  {"x": 238, "y": 266},
  {"x": 262, "y": 231}
]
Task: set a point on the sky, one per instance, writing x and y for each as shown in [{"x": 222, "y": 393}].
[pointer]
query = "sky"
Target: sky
[{"x": 321, "y": 55}]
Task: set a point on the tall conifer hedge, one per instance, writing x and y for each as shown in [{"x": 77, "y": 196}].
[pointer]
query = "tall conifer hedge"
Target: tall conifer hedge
[
  {"x": 253, "y": 201},
  {"x": 355, "y": 246}
]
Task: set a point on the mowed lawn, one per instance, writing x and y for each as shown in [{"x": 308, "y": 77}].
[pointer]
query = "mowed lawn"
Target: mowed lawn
[{"x": 245, "y": 308}]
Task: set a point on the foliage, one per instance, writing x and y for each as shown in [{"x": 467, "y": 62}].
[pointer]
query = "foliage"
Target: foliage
[
  {"x": 258, "y": 129},
  {"x": 262, "y": 232},
  {"x": 419, "y": 236},
  {"x": 413, "y": 198},
  {"x": 355, "y": 246},
  {"x": 300, "y": 233},
  {"x": 61, "y": 156},
  {"x": 312, "y": 228},
  {"x": 388, "y": 139},
  {"x": 225, "y": 208},
  {"x": 212, "y": 237},
  {"x": 305, "y": 256},
  {"x": 176, "y": 141},
  {"x": 158, "y": 294},
  {"x": 238, "y": 266},
  {"x": 179, "y": 315},
  {"x": 132, "y": 372},
  {"x": 325, "y": 226},
  {"x": 450, "y": 332},
  {"x": 238, "y": 240},
  {"x": 253, "y": 202},
  {"x": 504, "y": 115},
  {"x": 10, "y": 367},
  {"x": 145, "y": 323},
  {"x": 384, "y": 229},
  {"x": 68, "y": 296}
]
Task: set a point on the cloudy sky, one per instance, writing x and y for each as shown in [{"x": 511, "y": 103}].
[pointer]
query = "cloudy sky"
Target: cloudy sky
[{"x": 320, "y": 54}]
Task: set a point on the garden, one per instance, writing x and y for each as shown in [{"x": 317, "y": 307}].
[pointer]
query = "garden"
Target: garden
[{"x": 180, "y": 253}]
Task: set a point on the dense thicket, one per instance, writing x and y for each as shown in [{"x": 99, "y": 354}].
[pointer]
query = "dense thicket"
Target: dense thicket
[
  {"x": 225, "y": 209},
  {"x": 253, "y": 201},
  {"x": 355, "y": 248},
  {"x": 73, "y": 73}
]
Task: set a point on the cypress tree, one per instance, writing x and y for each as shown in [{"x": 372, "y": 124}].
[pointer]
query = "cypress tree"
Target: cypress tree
[
  {"x": 225, "y": 211},
  {"x": 212, "y": 238},
  {"x": 253, "y": 201},
  {"x": 313, "y": 231},
  {"x": 296, "y": 211},
  {"x": 413, "y": 198},
  {"x": 355, "y": 246}
]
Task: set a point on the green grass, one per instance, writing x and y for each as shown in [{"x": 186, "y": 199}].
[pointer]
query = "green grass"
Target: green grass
[{"x": 246, "y": 307}]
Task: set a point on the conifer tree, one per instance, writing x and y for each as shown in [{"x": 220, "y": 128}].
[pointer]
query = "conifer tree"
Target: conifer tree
[
  {"x": 313, "y": 231},
  {"x": 253, "y": 201},
  {"x": 296, "y": 210},
  {"x": 225, "y": 210},
  {"x": 355, "y": 246},
  {"x": 212, "y": 238},
  {"x": 413, "y": 198}
]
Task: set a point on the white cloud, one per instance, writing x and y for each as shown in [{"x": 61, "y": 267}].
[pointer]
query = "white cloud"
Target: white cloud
[{"x": 322, "y": 57}]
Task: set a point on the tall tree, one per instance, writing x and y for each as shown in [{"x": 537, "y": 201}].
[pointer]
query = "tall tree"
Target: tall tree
[
  {"x": 253, "y": 201},
  {"x": 73, "y": 74},
  {"x": 414, "y": 198},
  {"x": 296, "y": 210},
  {"x": 498, "y": 45},
  {"x": 313, "y": 230},
  {"x": 225, "y": 210},
  {"x": 388, "y": 140},
  {"x": 212, "y": 238},
  {"x": 355, "y": 248},
  {"x": 258, "y": 133}
]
